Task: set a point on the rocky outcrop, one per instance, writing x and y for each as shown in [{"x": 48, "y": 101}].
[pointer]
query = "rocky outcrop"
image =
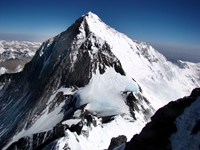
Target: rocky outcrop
[
  {"x": 117, "y": 141},
  {"x": 39, "y": 140},
  {"x": 155, "y": 135}
]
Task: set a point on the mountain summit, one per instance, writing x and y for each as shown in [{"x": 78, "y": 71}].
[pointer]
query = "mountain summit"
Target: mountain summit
[{"x": 86, "y": 85}]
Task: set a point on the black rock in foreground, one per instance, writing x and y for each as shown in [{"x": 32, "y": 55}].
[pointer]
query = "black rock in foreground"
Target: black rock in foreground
[
  {"x": 117, "y": 141},
  {"x": 155, "y": 135}
]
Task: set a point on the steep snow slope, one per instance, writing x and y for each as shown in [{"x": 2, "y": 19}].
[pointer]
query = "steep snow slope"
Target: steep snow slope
[
  {"x": 148, "y": 67},
  {"x": 93, "y": 77}
]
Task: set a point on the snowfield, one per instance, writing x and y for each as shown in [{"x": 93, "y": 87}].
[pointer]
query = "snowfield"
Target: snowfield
[{"x": 104, "y": 93}]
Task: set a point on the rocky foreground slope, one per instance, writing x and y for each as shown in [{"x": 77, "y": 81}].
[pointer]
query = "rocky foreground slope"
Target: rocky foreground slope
[{"x": 175, "y": 126}]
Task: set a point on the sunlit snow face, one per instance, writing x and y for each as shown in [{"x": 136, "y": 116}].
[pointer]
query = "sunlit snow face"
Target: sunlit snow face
[{"x": 103, "y": 94}]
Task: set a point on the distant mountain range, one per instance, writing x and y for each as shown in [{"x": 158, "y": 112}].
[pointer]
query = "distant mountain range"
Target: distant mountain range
[
  {"x": 92, "y": 83},
  {"x": 14, "y": 55},
  {"x": 173, "y": 52}
]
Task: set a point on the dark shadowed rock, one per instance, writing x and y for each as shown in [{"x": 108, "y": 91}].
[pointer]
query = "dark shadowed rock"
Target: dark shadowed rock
[
  {"x": 77, "y": 128},
  {"x": 89, "y": 119},
  {"x": 39, "y": 140},
  {"x": 117, "y": 141},
  {"x": 196, "y": 127}
]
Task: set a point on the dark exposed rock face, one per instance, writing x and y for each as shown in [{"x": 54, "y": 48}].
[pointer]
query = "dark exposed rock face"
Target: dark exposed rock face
[
  {"x": 117, "y": 141},
  {"x": 155, "y": 134},
  {"x": 39, "y": 140},
  {"x": 131, "y": 103},
  {"x": 135, "y": 102},
  {"x": 77, "y": 128}
]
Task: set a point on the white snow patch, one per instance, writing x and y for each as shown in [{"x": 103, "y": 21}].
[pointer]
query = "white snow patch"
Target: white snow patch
[
  {"x": 71, "y": 122},
  {"x": 99, "y": 137},
  {"x": 2, "y": 70},
  {"x": 103, "y": 93},
  {"x": 77, "y": 113}
]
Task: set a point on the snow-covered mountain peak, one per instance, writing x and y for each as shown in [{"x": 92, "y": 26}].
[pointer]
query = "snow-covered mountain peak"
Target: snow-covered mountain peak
[
  {"x": 88, "y": 73},
  {"x": 92, "y": 24},
  {"x": 154, "y": 68},
  {"x": 91, "y": 15}
]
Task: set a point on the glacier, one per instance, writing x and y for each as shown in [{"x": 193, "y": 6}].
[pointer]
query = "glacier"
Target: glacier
[{"x": 103, "y": 94}]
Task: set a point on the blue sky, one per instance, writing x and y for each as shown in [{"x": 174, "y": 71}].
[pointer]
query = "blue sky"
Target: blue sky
[{"x": 174, "y": 23}]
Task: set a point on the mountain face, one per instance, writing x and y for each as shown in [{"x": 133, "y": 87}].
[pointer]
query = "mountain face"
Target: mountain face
[
  {"x": 175, "y": 126},
  {"x": 14, "y": 55},
  {"x": 86, "y": 85}
]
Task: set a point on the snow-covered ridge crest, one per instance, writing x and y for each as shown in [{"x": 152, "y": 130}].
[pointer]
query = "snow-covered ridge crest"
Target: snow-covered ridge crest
[
  {"x": 91, "y": 16},
  {"x": 97, "y": 26}
]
